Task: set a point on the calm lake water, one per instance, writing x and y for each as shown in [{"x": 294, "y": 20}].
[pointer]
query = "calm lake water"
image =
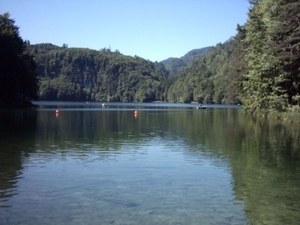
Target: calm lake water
[{"x": 167, "y": 164}]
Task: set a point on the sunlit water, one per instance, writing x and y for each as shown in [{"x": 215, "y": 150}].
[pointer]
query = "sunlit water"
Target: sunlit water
[{"x": 166, "y": 164}]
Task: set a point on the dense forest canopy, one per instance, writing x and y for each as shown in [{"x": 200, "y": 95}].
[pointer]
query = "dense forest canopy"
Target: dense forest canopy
[
  {"x": 18, "y": 78},
  {"x": 208, "y": 80},
  {"x": 272, "y": 47},
  {"x": 90, "y": 75}
]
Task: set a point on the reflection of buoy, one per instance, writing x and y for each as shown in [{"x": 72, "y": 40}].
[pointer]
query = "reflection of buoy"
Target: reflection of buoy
[{"x": 56, "y": 113}]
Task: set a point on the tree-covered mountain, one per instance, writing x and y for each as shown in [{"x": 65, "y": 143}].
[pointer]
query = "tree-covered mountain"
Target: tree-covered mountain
[
  {"x": 210, "y": 78},
  {"x": 174, "y": 65},
  {"x": 90, "y": 75}
]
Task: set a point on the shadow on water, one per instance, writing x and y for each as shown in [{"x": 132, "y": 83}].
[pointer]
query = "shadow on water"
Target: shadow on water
[
  {"x": 266, "y": 171},
  {"x": 17, "y": 138},
  {"x": 264, "y": 156}
]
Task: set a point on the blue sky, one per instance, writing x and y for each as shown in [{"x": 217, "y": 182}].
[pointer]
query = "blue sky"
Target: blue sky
[{"x": 154, "y": 30}]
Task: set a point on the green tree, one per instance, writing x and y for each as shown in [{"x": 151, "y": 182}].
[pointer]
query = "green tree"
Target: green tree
[
  {"x": 90, "y": 75},
  {"x": 18, "y": 79},
  {"x": 272, "y": 54},
  {"x": 209, "y": 79},
  {"x": 285, "y": 44}
]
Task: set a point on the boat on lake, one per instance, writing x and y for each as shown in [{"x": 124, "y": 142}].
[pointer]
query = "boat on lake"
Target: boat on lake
[{"x": 201, "y": 107}]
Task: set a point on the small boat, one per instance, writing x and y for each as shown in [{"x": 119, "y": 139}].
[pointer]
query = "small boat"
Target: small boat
[
  {"x": 104, "y": 104},
  {"x": 201, "y": 107}
]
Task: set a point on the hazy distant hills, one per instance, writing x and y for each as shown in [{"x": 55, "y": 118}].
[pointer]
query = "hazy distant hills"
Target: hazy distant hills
[{"x": 173, "y": 65}]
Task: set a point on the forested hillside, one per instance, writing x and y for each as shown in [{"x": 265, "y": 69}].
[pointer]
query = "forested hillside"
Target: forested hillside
[
  {"x": 90, "y": 75},
  {"x": 174, "y": 65},
  {"x": 85, "y": 74},
  {"x": 210, "y": 78}
]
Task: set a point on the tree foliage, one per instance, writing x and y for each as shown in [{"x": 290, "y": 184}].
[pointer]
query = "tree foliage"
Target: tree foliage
[
  {"x": 18, "y": 78},
  {"x": 272, "y": 55},
  {"x": 208, "y": 80},
  {"x": 85, "y": 74}
]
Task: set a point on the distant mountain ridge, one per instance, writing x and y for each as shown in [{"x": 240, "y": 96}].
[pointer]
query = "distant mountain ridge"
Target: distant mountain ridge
[{"x": 173, "y": 65}]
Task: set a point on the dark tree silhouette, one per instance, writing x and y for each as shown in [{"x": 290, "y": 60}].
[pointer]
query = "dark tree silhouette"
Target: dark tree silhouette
[{"x": 18, "y": 79}]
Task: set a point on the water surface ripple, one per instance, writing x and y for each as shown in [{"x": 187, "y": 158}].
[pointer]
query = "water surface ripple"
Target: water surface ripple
[{"x": 166, "y": 164}]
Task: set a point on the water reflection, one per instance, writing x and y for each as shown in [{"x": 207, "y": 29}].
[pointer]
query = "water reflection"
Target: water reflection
[
  {"x": 17, "y": 130},
  {"x": 164, "y": 166},
  {"x": 266, "y": 173}
]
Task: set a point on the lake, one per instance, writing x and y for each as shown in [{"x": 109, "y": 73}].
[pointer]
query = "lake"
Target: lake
[{"x": 165, "y": 164}]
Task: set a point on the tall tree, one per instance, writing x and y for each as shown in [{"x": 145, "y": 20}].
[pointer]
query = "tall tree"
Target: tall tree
[
  {"x": 286, "y": 47},
  {"x": 18, "y": 79},
  {"x": 273, "y": 56},
  {"x": 263, "y": 84}
]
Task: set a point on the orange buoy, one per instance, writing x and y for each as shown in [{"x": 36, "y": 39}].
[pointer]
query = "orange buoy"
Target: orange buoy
[
  {"x": 135, "y": 112},
  {"x": 56, "y": 113}
]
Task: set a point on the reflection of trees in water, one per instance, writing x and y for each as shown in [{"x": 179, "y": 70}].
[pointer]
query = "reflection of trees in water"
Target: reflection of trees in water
[
  {"x": 17, "y": 128},
  {"x": 264, "y": 157},
  {"x": 223, "y": 131},
  {"x": 263, "y": 154},
  {"x": 106, "y": 130},
  {"x": 266, "y": 170}
]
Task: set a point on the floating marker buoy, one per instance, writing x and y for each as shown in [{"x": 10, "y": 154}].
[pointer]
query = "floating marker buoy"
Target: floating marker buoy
[
  {"x": 57, "y": 113},
  {"x": 135, "y": 112}
]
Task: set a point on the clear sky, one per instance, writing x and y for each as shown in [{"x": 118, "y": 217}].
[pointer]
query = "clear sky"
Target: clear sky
[{"x": 152, "y": 29}]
